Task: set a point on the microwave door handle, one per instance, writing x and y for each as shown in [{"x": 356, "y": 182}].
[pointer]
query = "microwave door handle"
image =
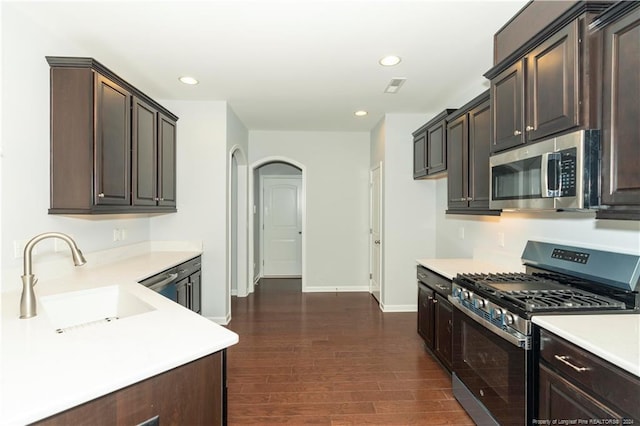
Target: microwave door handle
[{"x": 547, "y": 190}]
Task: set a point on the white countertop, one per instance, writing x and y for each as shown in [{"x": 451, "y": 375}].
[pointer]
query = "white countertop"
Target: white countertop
[
  {"x": 615, "y": 338},
  {"x": 449, "y": 268},
  {"x": 43, "y": 373}
]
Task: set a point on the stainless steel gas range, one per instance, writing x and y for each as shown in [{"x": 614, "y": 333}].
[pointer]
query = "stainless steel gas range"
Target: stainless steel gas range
[{"x": 494, "y": 342}]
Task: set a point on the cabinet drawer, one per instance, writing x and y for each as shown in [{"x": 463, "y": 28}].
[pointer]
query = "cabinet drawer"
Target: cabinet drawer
[
  {"x": 190, "y": 266},
  {"x": 602, "y": 379},
  {"x": 436, "y": 282}
]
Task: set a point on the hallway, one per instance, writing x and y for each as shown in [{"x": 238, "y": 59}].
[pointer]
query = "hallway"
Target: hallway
[{"x": 332, "y": 359}]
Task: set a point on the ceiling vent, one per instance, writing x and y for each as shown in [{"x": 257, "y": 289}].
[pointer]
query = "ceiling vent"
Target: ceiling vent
[{"x": 394, "y": 85}]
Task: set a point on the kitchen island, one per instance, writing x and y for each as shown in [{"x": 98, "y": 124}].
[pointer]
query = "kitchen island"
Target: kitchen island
[{"x": 44, "y": 371}]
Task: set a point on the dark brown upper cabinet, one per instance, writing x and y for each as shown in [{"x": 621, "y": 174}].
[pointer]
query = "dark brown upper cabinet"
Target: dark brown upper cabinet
[
  {"x": 548, "y": 85},
  {"x": 468, "y": 142},
  {"x": 153, "y": 157},
  {"x": 112, "y": 147},
  {"x": 619, "y": 30},
  {"x": 430, "y": 147}
]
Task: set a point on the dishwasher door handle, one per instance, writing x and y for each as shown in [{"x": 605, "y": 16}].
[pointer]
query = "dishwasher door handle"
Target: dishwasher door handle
[{"x": 161, "y": 285}]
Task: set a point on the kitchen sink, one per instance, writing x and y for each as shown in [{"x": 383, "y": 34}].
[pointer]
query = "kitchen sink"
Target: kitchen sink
[{"x": 85, "y": 308}]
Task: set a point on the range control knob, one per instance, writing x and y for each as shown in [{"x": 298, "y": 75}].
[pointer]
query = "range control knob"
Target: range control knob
[
  {"x": 466, "y": 295},
  {"x": 508, "y": 319},
  {"x": 497, "y": 313},
  {"x": 456, "y": 292},
  {"x": 479, "y": 303}
]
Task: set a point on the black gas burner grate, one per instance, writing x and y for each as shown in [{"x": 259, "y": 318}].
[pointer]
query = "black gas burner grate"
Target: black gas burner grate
[
  {"x": 557, "y": 299},
  {"x": 537, "y": 293}
]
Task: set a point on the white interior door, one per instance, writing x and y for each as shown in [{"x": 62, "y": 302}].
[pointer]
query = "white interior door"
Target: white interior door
[
  {"x": 376, "y": 242},
  {"x": 282, "y": 226}
]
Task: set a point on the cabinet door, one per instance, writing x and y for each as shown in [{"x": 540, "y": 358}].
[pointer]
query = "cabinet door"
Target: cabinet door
[
  {"x": 426, "y": 298},
  {"x": 113, "y": 143},
  {"x": 182, "y": 288},
  {"x": 479, "y": 146},
  {"x": 144, "y": 141},
  {"x": 553, "y": 85},
  {"x": 457, "y": 174},
  {"x": 195, "y": 291},
  {"x": 437, "y": 148},
  {"x": 166, "y": 161},
  {"x": 560, "y": 399},
  {"x": 420, "y": 155},
  {"x": 443, "y": 330},
  {"x": 621, "y": 110},
  {"x": 507, "y": 97}
]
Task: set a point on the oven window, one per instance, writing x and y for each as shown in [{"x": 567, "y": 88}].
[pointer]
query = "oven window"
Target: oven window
[
  {"x": 487, "y": 359},
  {"x": 520, "y": 179}
]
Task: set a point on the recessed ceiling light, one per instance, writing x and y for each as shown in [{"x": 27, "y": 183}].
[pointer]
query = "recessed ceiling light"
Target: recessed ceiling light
[
  {"x": 360, "y": 113},
  {"x": 389, "y": 61},
  {"x": 188, "y": 80}
]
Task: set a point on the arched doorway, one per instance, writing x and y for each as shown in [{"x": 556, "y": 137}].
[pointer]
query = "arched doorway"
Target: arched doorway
[{"x": 279, "y": 174}]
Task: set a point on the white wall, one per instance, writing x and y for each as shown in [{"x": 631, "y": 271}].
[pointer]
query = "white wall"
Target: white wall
[
  {"x": 409, "y": 214},
  {"x": 25, "y": 154},
  {"x": 202, "y": 196},
  {"x": 481, "y": 239},
  {"x": 337, "y": 200}
]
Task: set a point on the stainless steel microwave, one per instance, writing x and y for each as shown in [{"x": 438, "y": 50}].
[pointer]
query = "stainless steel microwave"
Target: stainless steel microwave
[{"x": 562, "y": 173}]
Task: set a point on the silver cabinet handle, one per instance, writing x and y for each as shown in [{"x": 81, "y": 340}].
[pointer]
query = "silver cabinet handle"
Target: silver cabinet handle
[
  {"x": 529, "y": 128},
  {"x": 101, "y": 195},
  {"x": 517, "y": 133},
  {"x": 376, "y": 242},
  {"x": 564, "y": 359}
]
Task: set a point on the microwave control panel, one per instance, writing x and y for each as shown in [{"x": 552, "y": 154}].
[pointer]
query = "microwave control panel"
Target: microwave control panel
[{"x": 568, "y": 172}]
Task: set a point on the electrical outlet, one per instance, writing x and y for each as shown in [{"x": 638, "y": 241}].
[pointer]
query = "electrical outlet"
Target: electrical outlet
[
  {"x": 116, "y": 234},
  {"x": 123, "y": 234},
  {"x": 461, "y": 233},
  {"x": 501, "y": 239}
]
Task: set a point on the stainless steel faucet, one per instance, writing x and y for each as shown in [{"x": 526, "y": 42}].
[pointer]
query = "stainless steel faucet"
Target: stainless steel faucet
[{"x": 28, "y": 299}]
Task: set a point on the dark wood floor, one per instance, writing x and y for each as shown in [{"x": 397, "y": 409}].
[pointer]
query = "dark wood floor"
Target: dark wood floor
[{"x": 332, "y": 359}]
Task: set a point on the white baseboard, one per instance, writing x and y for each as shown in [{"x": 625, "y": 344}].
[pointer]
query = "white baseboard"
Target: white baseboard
[
  {"x": 338, "y": 289},
  {"x": 398, "y": 308},
  {"x": 220, "y": 320}
]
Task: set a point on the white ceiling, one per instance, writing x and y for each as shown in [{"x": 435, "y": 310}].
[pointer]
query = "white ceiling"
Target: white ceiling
[{"x": 288, "y": 64}]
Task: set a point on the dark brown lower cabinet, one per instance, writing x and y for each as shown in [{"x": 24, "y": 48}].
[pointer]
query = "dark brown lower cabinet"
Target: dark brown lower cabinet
[
  {"x": 435, "y": 315},
  {"x": 193, "y": 394},
  {"x": 426, "y": 314},
  {"x": 443, "y": 329},
  {"x": 579, "y": 386},
  {"x": 560, "y": 399}
]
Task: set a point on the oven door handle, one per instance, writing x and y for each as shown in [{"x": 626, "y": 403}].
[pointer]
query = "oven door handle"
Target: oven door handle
[
  {"x": 161, "y": 285},
  {"x": 523, "y": 342}
]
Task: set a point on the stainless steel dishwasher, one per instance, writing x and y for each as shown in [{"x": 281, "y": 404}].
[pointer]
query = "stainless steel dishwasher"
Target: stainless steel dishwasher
[{"x": 180, "y": 283}]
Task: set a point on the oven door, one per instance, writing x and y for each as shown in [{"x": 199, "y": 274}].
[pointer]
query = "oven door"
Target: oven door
[{"x": 498, "y": 373}]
